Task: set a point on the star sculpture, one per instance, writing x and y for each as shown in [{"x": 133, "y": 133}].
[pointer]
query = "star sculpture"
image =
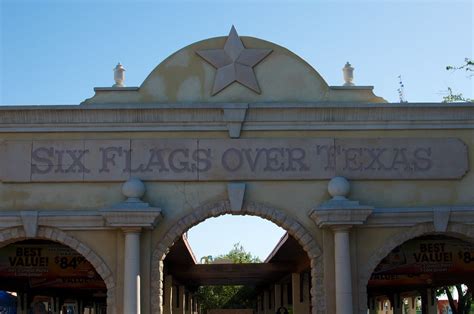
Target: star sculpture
[{"x": 234, "y": 63}]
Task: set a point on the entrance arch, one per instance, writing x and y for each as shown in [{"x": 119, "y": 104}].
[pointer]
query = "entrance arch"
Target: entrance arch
[
  {"x": 460, "y": 231},
  {"x": 15, "y": 234},
  {"x": 293, "y": 227}
]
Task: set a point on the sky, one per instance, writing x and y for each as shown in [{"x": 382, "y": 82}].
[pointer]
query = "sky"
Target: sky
[{"x": 57, "y": 51}]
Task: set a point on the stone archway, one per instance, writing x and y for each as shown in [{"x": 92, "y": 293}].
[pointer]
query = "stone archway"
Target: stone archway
[
  {"x": 15, "y": 234},
  {"x": 278, "y": 217},
  {"x": 454, "y": 230}
]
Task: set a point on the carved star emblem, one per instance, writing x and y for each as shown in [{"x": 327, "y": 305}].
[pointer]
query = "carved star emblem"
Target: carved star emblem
[{"x": 234, "y": 63}]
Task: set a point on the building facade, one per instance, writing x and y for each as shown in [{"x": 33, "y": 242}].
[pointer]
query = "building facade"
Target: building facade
[{"x": 238, "y": 125}]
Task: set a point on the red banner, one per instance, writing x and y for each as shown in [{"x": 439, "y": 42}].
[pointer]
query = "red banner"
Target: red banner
[
  {"x": 423, "y": 261},
  {"x": 48, "y": 265}
]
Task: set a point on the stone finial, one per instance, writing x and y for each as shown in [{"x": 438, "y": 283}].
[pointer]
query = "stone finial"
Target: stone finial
[
  {"x": 348, "y": 72},
  {"x": 133, "y": 189},
  {"x": 339, "y": 188},
  {"x": 119, "y": 76}
]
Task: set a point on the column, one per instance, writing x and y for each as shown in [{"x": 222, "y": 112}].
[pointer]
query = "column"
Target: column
[
  {"x": 300, "y": 304},
  {"x": 179, "y": 303},
  {"x": 278, "y": 300},
  {"x": 55, "y": 305},
  {"x": 196, "y": 306},
  {"x": 271, "y": 295},
  {"x": 266, "y": 302},
  {"x": 22, "y": 303},
  {"x": 429, "y": 302},
  {"x": 411, "y": 305},
  {"x": 131, "y": 276},
  {"x": 259, "y": 305},
  {"x": 189, "y": 303},
  {"x": 397, "y": 304},
  {"x": 340, "y": 213},
  {"x": 285, "y": 300},
  {"x": 342, "y": 260},
  {"x": 373, "y": 305},
  {"x": 167, "y": 294}
]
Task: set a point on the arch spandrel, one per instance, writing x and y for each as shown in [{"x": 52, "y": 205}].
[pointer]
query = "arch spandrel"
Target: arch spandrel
[{"x": 185, "y": 77}]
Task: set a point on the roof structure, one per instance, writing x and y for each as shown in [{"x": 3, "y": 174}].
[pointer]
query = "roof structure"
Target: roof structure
[{"x": 286, "y": 257}]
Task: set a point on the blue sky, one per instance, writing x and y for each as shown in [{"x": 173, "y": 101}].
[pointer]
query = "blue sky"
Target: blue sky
[{"x": 56, "y": 52}]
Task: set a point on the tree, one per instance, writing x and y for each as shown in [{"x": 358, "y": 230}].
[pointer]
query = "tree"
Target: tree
[
  {"x": 463, "y": 305},
  {"x": 468, "y": 66},
  {"x": 228, "y": 297}
]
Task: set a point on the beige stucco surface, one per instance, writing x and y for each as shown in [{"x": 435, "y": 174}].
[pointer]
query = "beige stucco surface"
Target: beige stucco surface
[
  {"x": 379, "y": 193},
  {"x": 297, "y": 198},
  {"x": 186, "y": 78}
]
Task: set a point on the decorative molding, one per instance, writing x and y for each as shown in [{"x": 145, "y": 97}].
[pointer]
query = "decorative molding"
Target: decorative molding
[
  {"x": 30, "y": 223},
  {"x": 411, "y": 216},
  {"x": 69, "y": 219},
  {"x": 441, "y": 218},
  {"x": 259, "y": 116},
  {"x": 340, "y": 212},
  {"x": 132, "y": 215},
  {"x": 355, "y": 87},
  {"x": 236, "y": 192},
  {"x": 235, "y": 118},
  {"x": 116, "y": 89}
]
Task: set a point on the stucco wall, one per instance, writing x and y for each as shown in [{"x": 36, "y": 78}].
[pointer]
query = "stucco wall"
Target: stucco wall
[{"x": 297, "y": 198}]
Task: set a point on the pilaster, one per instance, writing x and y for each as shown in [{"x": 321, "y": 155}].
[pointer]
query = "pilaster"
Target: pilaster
[
  {"x": 132, "y": 216},
  {"x": 340, "y": 214}
]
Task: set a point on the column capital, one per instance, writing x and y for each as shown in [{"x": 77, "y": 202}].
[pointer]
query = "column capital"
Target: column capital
[
  {"x": 340, "y": 214},
  {"x": 132, "y": 214},
  {"x": 131, "y": 230},
  {"x": 340, "y": 228}
]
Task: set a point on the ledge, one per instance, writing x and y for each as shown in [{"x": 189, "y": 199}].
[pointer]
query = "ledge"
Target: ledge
[
  {"x": 380, "y": 217},
  {"x": 354, "y": 87},
  {"x": 258, "y": 117},
  {"x": 116, "y": 89}
]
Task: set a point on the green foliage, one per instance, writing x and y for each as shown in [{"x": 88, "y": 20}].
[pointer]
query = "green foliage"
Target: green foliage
[
  {"x": 238, "y": 255},
  {"x": 467, "y": 66},
  {"x": 463, "y": 305},
  {"x": 451, "y": 97},
  {"x": 228, "y": 297}
]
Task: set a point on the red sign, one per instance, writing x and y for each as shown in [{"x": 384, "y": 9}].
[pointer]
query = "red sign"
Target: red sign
[
  {"x": 422, "y": 261},
  {"x": 48, "y": 265}
]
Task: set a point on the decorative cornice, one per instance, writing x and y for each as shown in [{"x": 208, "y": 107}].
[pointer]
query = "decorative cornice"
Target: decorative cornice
[
  {"x": 411, "y": 216},
  {"x": 258, "y": 116},
  {"x": 132, "y": 214},
  {"x": 336, "y": 213},
  {"x": 380, "y": 217}
]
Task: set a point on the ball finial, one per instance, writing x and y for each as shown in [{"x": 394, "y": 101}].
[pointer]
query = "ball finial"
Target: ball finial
[
  {"x": 133, "y": 189},
  {"x": 339, "y": 188}
]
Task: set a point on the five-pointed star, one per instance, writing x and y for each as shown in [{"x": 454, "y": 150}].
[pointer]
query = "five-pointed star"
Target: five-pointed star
[{"x": 234, "y": 63}]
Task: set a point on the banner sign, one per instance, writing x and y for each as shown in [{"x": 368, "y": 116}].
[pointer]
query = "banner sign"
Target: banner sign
[
  {"x": 424, "y": 261},
  {"x": 234, "y": 159},
  {"x": 48, "y": 265}
]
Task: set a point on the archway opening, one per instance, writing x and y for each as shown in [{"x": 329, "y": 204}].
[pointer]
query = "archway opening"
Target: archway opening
[
  {"x": 243, "y": 276},
  {"x": 428, "y": 274},
  {"x": 42, "y": 276}
]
